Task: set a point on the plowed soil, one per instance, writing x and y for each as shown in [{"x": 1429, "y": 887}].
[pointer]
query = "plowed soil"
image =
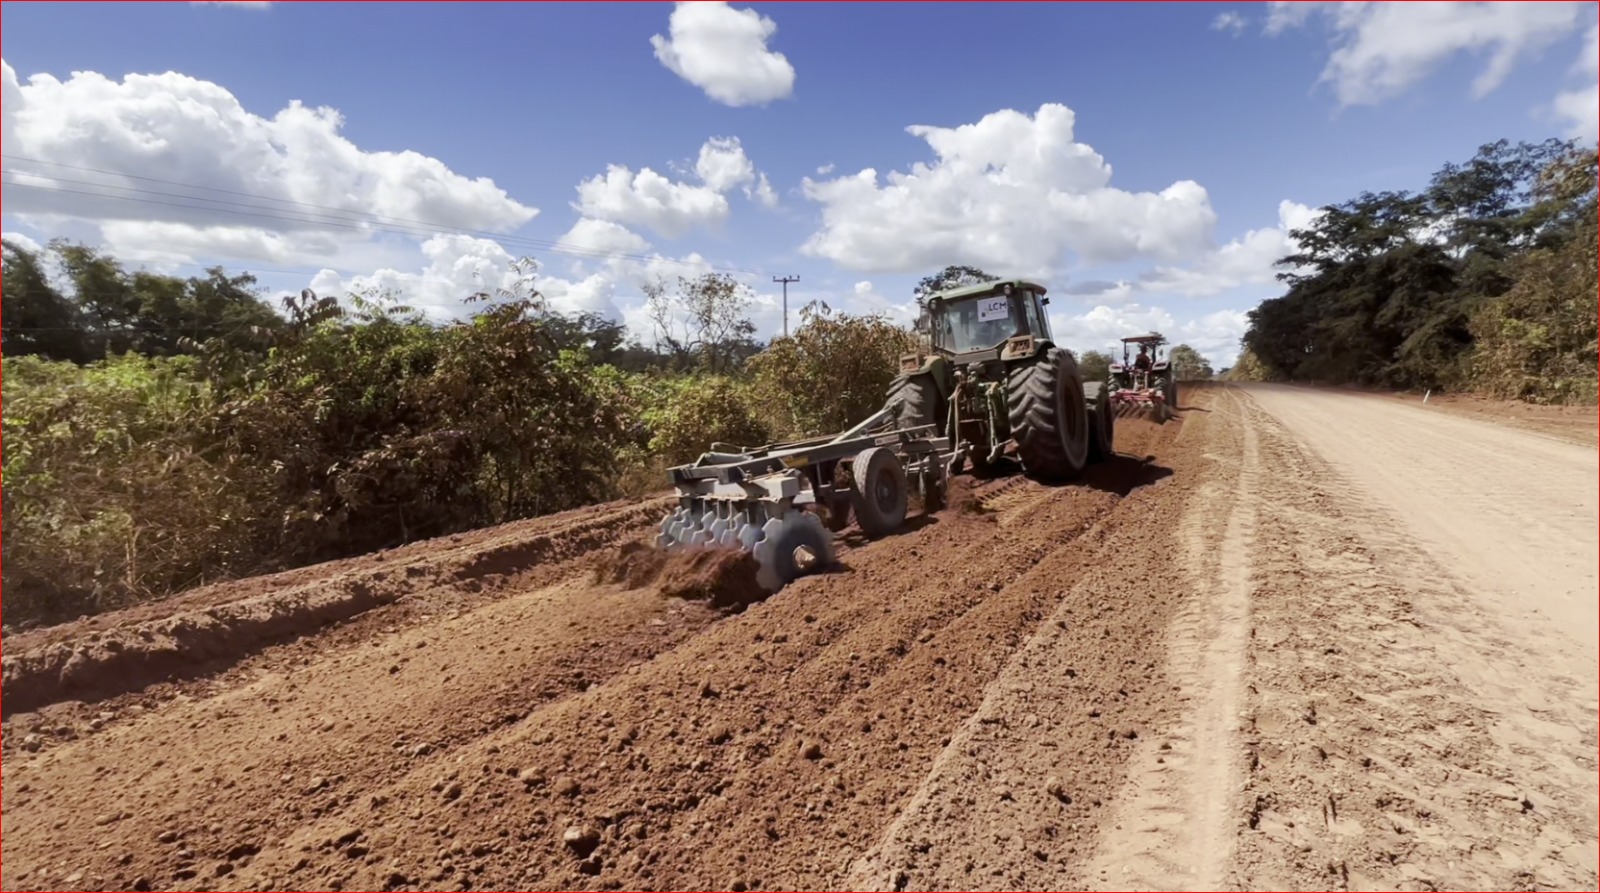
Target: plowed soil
[{"x": 1289, "y": 638}]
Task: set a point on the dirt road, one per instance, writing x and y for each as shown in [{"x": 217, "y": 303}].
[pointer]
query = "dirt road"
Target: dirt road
[{"x": 1292, "y": 639}]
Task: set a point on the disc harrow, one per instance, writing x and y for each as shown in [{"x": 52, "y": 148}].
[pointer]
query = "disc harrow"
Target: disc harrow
[{"x": 767, "y": 500}]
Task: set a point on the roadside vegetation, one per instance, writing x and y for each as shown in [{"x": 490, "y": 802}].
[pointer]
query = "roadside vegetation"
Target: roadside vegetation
[
  {"x": 162, "y": 432},
  {"x": 1484, "y": 281},
  {"x": 165, "y": 432}
]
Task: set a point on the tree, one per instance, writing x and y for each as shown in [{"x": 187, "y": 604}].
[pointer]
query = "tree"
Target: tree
[
  {"x": 1359, "y": 229},
  {"x": 1246, "y": 368},
  {"x": 1188, "y": 364},
  {"x": 953, "y": 276},
  {"x": 1483, "y": 205},
  {"x": 833, "y": 372},
  {"x": 1540, "y": 341},
  {"x": 1401, "y": 288},
  {"x": 703, "y": 324},
  {"x": 110, "y": 311},
  {"x": 38, "y": 319},
  {"x": 1094, "y": 365}
]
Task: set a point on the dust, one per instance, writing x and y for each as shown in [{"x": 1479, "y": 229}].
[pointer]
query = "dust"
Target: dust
[
  {"x": 1137, "y": 434},
  {"x": 961, "y": 497},
  {"x": 633, "y": 565},
  {"x": 723, "y": 578}
]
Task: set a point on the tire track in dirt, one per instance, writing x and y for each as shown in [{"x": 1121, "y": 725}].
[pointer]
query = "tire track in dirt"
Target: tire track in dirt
[
  {"x": 1174, "y": 828},
  {"x": 1381, "y": 757},
  {"x": 1012, "y": 800}
]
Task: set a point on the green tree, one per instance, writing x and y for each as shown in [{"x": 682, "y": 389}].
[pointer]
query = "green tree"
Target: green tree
[
  {"x": 1246, "y": 368},
  {"x": 954, "y": 276},
  {"x": 1539, "y": 341},
  {"x": 833, "y": 372},
  {"x": 1188, "y": 364},
  {"x": 37, "y": 319},
  {"x": 704, "y": 322},
  {"x": 1095, "y": 365}
]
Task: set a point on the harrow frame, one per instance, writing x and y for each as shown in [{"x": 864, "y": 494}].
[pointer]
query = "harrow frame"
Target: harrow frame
[{"x": 757, "y": 498}]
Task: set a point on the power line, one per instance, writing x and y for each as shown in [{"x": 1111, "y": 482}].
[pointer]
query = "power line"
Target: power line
[{"x": 319, "y": 215}]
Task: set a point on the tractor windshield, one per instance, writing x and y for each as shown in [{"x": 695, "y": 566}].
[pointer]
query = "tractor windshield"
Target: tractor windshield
[{"x": 979, "y": 323}]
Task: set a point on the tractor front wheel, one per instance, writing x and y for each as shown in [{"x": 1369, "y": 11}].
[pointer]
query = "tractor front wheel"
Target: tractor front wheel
[
  {"x": 914, "y": 401},
  {"x": 1049, "y": 416}
]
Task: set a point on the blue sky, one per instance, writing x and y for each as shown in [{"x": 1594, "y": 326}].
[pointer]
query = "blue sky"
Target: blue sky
[{"x": 1220, "y": 125}]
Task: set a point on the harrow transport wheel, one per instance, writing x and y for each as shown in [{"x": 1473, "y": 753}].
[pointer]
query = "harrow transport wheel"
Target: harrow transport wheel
[
  {"x": 878, "y": 494},
  {"x": 1102, "y": 421},
  {"x": 1049, "y": 416},
  {"x": 914, "y": 400}
]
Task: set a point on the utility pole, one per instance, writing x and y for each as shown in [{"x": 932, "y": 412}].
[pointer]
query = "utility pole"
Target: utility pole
[{"x": 786, "y": 280}]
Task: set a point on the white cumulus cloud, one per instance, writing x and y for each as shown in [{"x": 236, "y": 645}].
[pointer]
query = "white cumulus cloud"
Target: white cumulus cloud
[
  {"x": 1215, "y": 335},
  {"x": 602, "y": 237},
  {"x": 1011, "y": 193},
  {"x": 723, "y": 165},
  {"x": 1247, "y": 260},
  {"x": 1580, "y": 108},
  {"x": 168, "y": 159},
  {"x": 723, "y": 51},
  {"x": 23, "y": 241},
  {"x": 1381, "y": 49},
  {"x": 458, "y": 266},
  {"x": 671, "y": 208}
]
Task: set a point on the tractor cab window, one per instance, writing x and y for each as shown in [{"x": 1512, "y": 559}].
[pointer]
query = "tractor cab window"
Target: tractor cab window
[
  {"x": 977, "y": 323},
  {"x": 1038, "y": 322}
]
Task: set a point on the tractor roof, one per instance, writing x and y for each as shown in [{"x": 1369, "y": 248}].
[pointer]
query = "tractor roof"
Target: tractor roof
[
  {"x": 983, "y": 288},
  {"x": 1147, "y": 338}
]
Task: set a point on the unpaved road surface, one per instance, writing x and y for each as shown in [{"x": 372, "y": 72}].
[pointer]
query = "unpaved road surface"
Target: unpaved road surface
[{"x": 1293, "y": 639}]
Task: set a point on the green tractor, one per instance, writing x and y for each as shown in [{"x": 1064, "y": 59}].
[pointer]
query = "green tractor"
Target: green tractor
[{"x": 989, "y": 377}]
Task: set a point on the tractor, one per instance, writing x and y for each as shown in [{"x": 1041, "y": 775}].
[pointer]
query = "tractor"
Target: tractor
[
  {"x": 1144, "y": 383},
  {"x": 986, "y": 379},
  {"x": 989, "y": 377}
]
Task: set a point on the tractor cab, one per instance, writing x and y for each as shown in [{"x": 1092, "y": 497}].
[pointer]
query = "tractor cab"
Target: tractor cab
[
  {"x": 1131, "y": 371},
  {"x": 1005, "y": 319},
  {"x": 1149, "y": 383}
]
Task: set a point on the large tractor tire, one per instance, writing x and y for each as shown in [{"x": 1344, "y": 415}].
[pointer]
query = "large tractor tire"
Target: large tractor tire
[
  {"x": 1172, "y": 394},
  {"x": 1102, "y": 421},
  {"x": 914, "y": 400},
  {"x": 1049, "y": 416}
]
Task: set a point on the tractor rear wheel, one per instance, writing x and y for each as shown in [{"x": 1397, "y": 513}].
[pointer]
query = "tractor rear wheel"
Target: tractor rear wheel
[
  {"x": 878, "y": 491},
  {"x": 1172, "y": 394},
  {"x": 1102, "y": 421},
  {"x": 914, "y": 400},
  {"x": 1049, "y": 416}
]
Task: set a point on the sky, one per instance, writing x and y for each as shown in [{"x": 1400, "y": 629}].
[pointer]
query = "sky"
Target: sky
[{"x": 1145, "y": 161}]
